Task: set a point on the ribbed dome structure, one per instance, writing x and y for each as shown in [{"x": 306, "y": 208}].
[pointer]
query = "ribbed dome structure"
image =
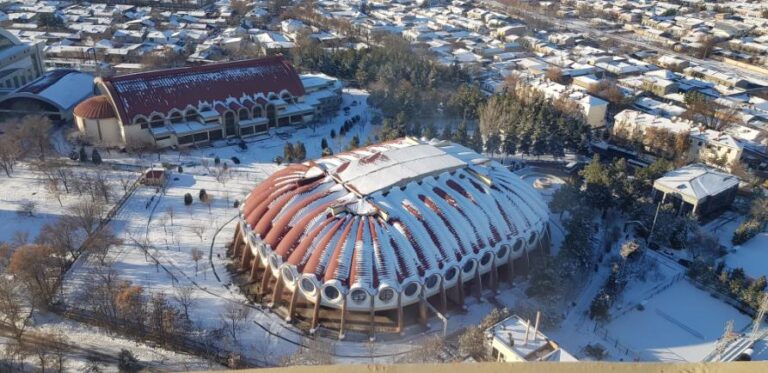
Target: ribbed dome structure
[
  {"x": 96, "y": 107},
  {"x": 380, "y": 227}
]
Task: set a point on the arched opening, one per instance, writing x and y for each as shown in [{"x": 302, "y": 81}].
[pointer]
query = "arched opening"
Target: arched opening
[
  {"x": 258, "y": 112},
  {"x": 192, "y": 115},
  {"x": 176, "y": 117},
  {"x": 156, "y": 121},
  {"x": 243, "y": 114},
  {"x": 141, "y": 122},
  {"x": 271, "y": 115},
  {"x": 229, "y": 124}
]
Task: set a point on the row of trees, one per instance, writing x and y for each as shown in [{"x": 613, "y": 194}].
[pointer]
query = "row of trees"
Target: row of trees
[
  {"x": 522, "y": 120},
  {"x": 755, "y": 222},
  {"x": 733, "y": 283},
  {"x": 23, "y": 138}
]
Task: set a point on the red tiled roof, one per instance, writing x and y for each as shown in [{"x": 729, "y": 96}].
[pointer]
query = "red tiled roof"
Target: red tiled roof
[
  {"x": 163, "y": 90},
  {"x": 96, "y": 107}
]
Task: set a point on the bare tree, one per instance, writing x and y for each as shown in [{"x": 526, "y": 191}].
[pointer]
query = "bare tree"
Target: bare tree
[
  {"x": 234, "y": 317},
  {"x": 14, "y": 307},
  {"x": 185, "y": 296},
  {"x": 27, "y": 207},
  {"x": 86, "y": 215},
  {"x": 199, "y": 230},
  {"x": 40, "y": 268},
  {"x": 10, "y": 152},
  {"x": 170, "y": 212},
  {"x": 35, "y": 134},
  {"x": 197, "y": 254}
]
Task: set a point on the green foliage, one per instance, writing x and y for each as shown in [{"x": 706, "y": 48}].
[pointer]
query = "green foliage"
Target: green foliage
[
  {"x": 288, "y": 155},
  {"x": 565, "y": 198},
  {"x": 354, "y": 143},
  {"x": 187, "y": 199},
  {"x": 465, "y": 102},
  {"x": 531, "y": 124},
  {"x": 95, "y": 157},
  {"x": 598, "y": 310},
  {"x": 734, "y": 284},
  {"x": 746, "y": 231},
  {"x": 299, "y": 151}
]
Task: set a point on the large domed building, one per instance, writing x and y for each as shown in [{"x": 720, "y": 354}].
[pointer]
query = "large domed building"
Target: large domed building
[{"x": 366, "y": 239}]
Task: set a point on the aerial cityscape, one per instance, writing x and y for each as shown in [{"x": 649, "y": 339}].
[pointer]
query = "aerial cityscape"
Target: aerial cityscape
[{"x": 195, "y": 185}]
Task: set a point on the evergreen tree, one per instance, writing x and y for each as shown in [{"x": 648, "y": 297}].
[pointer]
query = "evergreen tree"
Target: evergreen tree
[
  {"x": 323, "y": 143},
  {"x": 476, "y": 141},
  {"x": 333, "y": 134},
  {"x": 83, "y": 155},
  {"x": 461, "y": 136},
  {"x": 429, "y": 131},
  {"x": 95, "y": 157},
  {"x": 288, "y": 156},
  {"x": 447, "y": 134},
  {"x": 492, "y": 144},
  {"x": 299, "y": 151},
  {"x": 354, "y": 143},
  {"x": 509, "y": 145}
]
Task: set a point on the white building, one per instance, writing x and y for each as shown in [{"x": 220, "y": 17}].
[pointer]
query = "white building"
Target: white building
[
  {"x": 515, "y": 340},
  {"x": 20, "y": 63}
]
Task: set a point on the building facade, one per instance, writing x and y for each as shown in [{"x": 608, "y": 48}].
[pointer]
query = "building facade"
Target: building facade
[
  {"x": 376, "y": 235},
  {"x": 196, "y": 105},
  {"x": 20, "y": 63}
]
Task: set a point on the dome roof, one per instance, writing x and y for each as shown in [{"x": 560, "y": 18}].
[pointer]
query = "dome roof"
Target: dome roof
[
  {"x": 96, "y": 107},
  {"x": 402, "y": 215}
]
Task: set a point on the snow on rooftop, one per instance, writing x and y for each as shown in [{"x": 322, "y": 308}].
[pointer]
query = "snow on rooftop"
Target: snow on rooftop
[
  {"x": 396, "y": 167},
  {"x": 696, "y": 181}
]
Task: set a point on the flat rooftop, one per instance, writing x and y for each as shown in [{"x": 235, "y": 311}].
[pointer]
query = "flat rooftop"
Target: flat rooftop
[{"x": 395, "y": 167}]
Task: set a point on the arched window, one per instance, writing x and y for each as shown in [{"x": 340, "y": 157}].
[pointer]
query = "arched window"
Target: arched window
[
  {"x": 192, "y": 115},
  {"x": 141, "y": 122},
  {"x": 258, "y": 112},
  {"x": 157, "y": 121},
  {"x": 176, "y": 117},
  {"x": 243, "y": 114}
]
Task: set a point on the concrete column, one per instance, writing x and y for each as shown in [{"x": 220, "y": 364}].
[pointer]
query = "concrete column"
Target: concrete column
[
  {"x": 478, "y": 285},
  {"x": 265, "y": 280},
  {"x": 292, "y": 306},
  {"x": 343, "y": 317},
  {"x": 315, "y": 313},
  {"x": 443, "y": 298},
  {"x": 277, "y": 294},
  {"x": 399, "y": 313},
  {"x": 423, "y": 310},
  {"x": 254, "y": 269},
  {"x": 494, "y": 275},
  {"x": 460, "y": 288},
  {"x": 372, "y": 321}
]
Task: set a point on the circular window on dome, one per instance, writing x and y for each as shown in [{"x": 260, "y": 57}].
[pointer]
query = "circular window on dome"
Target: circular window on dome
[
  {"x": 431, "y": 281},
  {"x": 468, "y": 266},
  {"x": 331, "y": 292},
  {"x": 485, "y": 259},
  {"x": 386, "y": 295},
  {"x": 450, "y": 274},
  {"x": 307, "y": 285},
  {"x": 502, "y": 251},
  {"x": 287, "y": 275},
  {"x": 411, "y": 289},
  {"x": 359, "y": 296},
  {"x": 518, "y": 245},
  {"x": 532, "y": 238}
]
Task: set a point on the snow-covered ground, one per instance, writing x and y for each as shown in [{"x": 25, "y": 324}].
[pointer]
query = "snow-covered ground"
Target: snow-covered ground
[
  {"x": 28, "y": 184},
  {"x": 752, "y": 256},
  {"x": 682, "y": 323}
]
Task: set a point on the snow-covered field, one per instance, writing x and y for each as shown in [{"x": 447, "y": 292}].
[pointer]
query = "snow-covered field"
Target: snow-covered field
[
  {"x": 752, "y": 256},
  {"x": 682, "y": 323},
  {"x": 27, "y": 184}
]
